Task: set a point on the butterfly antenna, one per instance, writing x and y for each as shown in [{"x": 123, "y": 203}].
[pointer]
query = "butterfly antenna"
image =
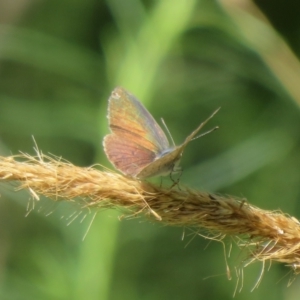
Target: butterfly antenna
[
  {"x": 205, "y": 133},
  {"x": 191, "y": 136},
  {"x": 166, "y": 127}
]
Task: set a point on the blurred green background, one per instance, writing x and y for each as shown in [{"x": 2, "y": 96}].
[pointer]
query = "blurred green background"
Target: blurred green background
[{"x": 59, "y": 61}]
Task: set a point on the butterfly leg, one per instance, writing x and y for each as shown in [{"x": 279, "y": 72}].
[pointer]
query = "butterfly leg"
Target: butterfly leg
[
  {"x": 176, "y": 181},
  {"x": 161, "y": 180}
]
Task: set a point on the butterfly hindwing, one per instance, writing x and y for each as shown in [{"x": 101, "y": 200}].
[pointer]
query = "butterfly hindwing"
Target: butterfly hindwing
[{"x": 127, "y": 156}]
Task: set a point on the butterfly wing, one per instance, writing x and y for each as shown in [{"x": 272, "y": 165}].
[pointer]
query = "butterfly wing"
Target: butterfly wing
[
  {"x": 127, "y": 116},
  {"x": 127, "y": 156},
  {"x": 136, "y": 138}
]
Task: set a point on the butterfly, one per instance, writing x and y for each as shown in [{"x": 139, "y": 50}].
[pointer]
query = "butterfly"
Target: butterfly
[{"x": 137, "y": 146}]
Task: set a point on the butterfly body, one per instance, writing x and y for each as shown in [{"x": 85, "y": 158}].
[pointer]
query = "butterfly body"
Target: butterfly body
[{"x": 137, "y": 146}]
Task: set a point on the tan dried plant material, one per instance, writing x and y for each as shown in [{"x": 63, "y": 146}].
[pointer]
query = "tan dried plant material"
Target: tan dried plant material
[{"x": 265, "y": 235}]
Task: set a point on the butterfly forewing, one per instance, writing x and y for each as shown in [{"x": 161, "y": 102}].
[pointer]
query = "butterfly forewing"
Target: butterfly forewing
[{"x": 128, "y": 117}]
